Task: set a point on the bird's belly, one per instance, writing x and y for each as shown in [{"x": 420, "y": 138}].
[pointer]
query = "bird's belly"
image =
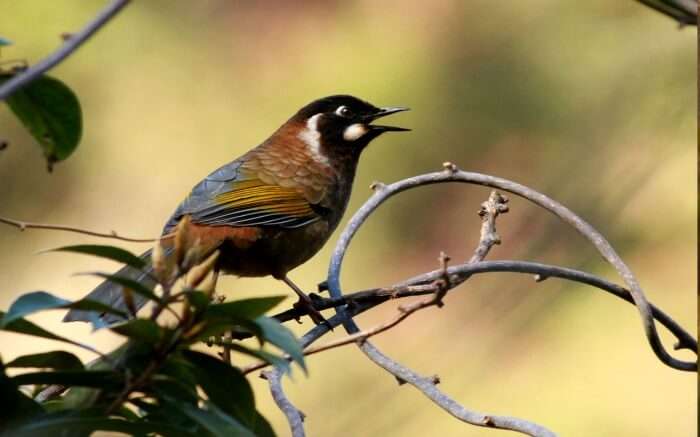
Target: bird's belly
[{"x": 275, "y": 252}]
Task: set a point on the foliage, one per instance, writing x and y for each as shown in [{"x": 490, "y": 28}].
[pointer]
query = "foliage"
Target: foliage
[{"x": 157, "y": 381}]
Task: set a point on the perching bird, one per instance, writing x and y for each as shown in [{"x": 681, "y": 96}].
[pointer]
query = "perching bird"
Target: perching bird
[{"x": 273, "y": 208}]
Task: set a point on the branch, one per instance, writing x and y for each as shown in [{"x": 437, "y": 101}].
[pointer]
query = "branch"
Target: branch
[
  {"x": 685, "y": 12},
  {"x": 22, "y": 226},
  {"x": 365, "y": 300},
  {"x": 452, "y": 174},
  {"x": 294, "y": 416},
  {"x": 71, "y": 44}
]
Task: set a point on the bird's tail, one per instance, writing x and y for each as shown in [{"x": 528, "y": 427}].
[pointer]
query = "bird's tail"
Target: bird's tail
[{"x": 112, "y": 294}]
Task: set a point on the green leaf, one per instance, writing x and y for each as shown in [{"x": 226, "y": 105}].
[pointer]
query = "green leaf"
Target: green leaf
[
  {"x": 22, "y": 326},
  {"x": 282, "y": 337},
  {"x": 262, "y": 427},
  {"x": 139, "y": 329},
  {"x": 56, "y": 360},
  {"x": 51, "y": 112},
  {"x": 224, "y": 384},
  {"x": 85, "y": 422},
  {"x": 40, "y": 300},
  {"x": 198, "y": 299},
  {"x": 5, "y": 42},
  {"x": 15, "y": 404},
  {"x": 103, "y": 251},
  {"x": 81, "y": 378},
  {"x": 280, "y": 363},
  {"x": 244, "y": 309},
  {"x": 129, "y": 283},
  {"x": 216, "y": 421}
]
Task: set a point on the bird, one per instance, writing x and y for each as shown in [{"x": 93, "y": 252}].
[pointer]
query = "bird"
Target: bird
[{"x": 274, "y": 207}]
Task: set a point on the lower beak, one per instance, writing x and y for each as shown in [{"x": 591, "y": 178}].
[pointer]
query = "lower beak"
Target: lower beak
[{"x": 383, "y": 112}]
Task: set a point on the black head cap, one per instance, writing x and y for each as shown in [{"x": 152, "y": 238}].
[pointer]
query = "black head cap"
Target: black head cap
[{"x": 343, "y": 121}]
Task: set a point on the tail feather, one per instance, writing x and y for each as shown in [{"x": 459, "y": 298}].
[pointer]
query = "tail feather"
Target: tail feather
[{"x": 112, "y": 294}]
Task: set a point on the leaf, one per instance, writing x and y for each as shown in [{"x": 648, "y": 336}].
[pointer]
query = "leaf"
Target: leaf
[
  {"x": 56, "y": 360},
  {"x": 85, "y": 422},
  {"x": 81, "y": 378},
  {"x": 15, "y": 404},
  {"x": 22, "y": 326},
  {"x": 40, "y": 300},
  {"x": 280, "y": 363},
  {"x": 245, "y": 308},
  {"x": 104, "y": 251},
  {"x": 216, "y": 422},
  {"x": 5, "y": 42},
  {"x": 282, "y": 337},
  {"x": 198, "y": 299},
  {"x": 224, "y": 385},
  {"x": 129, "y": 283},
  {"x": 144, "y": 330},
  {"x": 51, "y": 112}
]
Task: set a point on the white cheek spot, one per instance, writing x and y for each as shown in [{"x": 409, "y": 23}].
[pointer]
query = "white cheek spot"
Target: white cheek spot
[
  {"x": 354, "y": 132},
  {"x": 312, "y": 138}
]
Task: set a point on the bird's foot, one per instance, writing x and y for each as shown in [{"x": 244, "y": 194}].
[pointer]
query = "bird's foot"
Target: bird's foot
[{"x": 305, "y": 303}]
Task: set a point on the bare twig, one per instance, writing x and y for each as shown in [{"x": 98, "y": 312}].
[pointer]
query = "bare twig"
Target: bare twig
[
  {"x": 294, "y": 416},
  {"x": 69, "y": 46},
  {"x": 22, "y": 226}
]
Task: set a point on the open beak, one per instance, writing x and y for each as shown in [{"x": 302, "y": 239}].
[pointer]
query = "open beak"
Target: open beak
[{"x": 383, "y": 112}]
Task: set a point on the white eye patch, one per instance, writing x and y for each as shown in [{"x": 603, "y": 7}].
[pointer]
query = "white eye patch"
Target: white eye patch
[{"x": 354, "y": 132}]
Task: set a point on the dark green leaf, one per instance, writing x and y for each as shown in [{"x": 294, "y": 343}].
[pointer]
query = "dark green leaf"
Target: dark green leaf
[
  {"x": 22, "y": 326},
  {"x": 110, "y": 252},
  {"x": 83, "y": 378},
  {"x": 51, "y": 112},
  {"x": 129, "y": 283},
  {"x": 279, "y": 362},
  {"x": 216, "y": 422},
  {"x": 245, "y": 309},
  {"x": 85, "y": 422},
  {"x": 56, "y": 360},
  {"x": 16, "y": 405},
  {"x": 40, "y": 300},
  {"x": 282, "y": 337},
  {"x": 224, "y": 385},
  {"x": 140, "y": 329},
  {"x": 198, "y": 299},
  {"x": 262, "y": 427}
]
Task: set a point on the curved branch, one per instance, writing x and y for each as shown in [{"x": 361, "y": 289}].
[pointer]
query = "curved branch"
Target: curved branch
[
  {"x": 452, "y": 174},
  {"x": 365, "y": 300},
  {"x": 71, "y": 45},
  {"x": 294, "y": 416},
  {"x": 683, "y": 11}
]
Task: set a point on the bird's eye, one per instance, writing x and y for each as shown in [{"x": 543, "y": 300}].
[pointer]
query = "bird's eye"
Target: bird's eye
[{"x": 343, "y": 111}]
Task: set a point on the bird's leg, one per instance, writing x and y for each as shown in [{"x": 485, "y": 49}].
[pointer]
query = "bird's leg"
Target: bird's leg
[{"x": 305, "y": 302}]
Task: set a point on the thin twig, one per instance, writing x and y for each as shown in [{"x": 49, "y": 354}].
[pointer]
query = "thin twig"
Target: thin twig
[
  {"x": 22, "y": 226},
  {"x": 294, "y": 416},
  {"x": 69, "y": 46}
]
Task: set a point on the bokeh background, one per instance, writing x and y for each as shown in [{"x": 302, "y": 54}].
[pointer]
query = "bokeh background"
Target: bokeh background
[{"x": 590, "y": 102}]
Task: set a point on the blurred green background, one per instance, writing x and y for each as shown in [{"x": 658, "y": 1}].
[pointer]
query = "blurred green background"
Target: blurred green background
[{"x": 592, "y": 103}]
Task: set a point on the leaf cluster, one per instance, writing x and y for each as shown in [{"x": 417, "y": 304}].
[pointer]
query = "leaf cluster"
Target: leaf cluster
[{"x": 158, "y": 382}]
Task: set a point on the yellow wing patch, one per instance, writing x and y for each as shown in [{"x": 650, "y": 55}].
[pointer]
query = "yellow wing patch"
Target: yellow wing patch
[{"x": 255, "y": 194}]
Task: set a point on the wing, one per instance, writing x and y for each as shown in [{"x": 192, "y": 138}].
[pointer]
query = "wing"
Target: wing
[{"x": 235, "y": 195}]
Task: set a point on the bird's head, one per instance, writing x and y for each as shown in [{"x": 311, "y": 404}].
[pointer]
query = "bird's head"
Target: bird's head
[{"x": 341, "y": 124}]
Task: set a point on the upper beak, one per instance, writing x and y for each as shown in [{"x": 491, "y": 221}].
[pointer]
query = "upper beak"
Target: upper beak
[{"x": 383, "y": 112}]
